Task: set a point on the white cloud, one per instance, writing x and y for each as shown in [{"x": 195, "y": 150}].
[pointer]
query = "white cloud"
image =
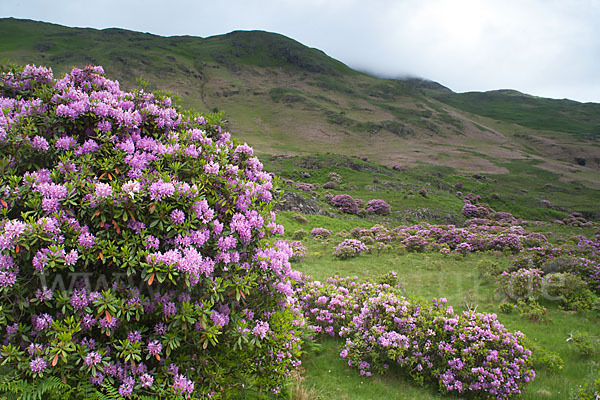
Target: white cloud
[{"x": 543, "y": 47}]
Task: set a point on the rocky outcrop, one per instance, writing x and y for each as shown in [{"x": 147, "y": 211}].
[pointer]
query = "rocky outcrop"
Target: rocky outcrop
[{"x": 291, "y": 201}]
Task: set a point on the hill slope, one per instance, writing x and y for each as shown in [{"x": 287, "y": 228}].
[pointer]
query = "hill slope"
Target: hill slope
[
  {"x": 530, "y": 111},
  {"x": 283, "y": 97}
]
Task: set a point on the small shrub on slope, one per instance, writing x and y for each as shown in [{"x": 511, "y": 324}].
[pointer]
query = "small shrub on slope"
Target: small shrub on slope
[
  {"x": 378, "y": 207},
  {"x": 571, "y": 291},
  {"x": 475, "y": 210},
  {"x": 586, "y": 344},
  {"x": 320, "y": 233},
  {"x": 350, "y": 248},
  {"x": 345, "y": 203},
  {"x": 521, "y": 284},
  {"x": 415, "y": 243},
  {"x": 590, "y": 390}
]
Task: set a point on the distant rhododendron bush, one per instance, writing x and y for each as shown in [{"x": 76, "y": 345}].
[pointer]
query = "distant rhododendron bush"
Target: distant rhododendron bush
[
  {"x": 133, "y": 252},
  {"x": 379, "y": 207},
  {"x": 345, "y": 203}
]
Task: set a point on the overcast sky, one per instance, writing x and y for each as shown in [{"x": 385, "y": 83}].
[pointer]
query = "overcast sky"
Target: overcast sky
[{"x": 548, "y": 48}]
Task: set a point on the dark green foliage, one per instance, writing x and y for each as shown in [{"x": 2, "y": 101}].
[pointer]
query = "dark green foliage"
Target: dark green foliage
[
  {"x": 587, "y": 345},
  {"x": 532, "y": 310},
  {"x": 300, "y": 234},
  {"x": 489, "y": 269},
  {"x": 206, "y": 332},
  {"x": 506, "y": 307}
]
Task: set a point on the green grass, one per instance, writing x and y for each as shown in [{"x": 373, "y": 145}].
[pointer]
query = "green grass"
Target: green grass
[
  {"x": 338, "y": 223},
  {"x": 429, "y": 275},
  {"x": 528, "y": 184}
]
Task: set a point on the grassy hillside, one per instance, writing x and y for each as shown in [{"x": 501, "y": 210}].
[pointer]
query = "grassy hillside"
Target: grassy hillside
[
  {"x": 283, "y": 97},
  {"x": 533, "y": 112},
  {"x": 434, "y": 193}
]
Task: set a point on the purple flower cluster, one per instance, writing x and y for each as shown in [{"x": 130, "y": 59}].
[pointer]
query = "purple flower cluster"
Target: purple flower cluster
[
  {"x": 154, "y": 348},
  {"x": 177, "y": 217},
  {"x": 37, "y": 365},
  {"x": 307, "y": 187},
  {"x": 475, "y": 210},
  {"x": 503, "y": 216},
  {"x": 126, "y": 388},
  {"x": 103, "y": 190},
  {"x": 261, "y": 329},
  {"x": 582, "y": 260},
  {"x": 576, "y": 219},
  {"x": 320, "y": 233},
  {"x": 182, "y": 385},
  {"x": 299, "y": 251},
  {"x": 423, "y": 237},
  {"x": 415, "y": 243},
  {"x": 350, "y": 248},
  {"x": 92, "y": 358},
  {"x": 345, "y": 203},
  {"x": 469, "y": 353},
  {"x": 378, "y": 207},
  {"x": 8, "y": 271},
  {"x": 330, "y": 306},
  {"x": 506, "y": 241},
  {"x": 335, "y": 177}
]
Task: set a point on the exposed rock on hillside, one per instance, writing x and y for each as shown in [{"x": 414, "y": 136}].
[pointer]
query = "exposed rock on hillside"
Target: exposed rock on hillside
[
  {"x": 313, "y": 163},
  {"x": 291, "y": 201},
  {"x": 420, "y": 214}
]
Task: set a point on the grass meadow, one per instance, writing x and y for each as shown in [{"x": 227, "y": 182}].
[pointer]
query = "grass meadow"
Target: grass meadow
[{"x": 458, "y": 278}]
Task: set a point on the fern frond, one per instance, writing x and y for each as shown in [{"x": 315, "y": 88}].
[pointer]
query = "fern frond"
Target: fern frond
[
  {"x": 111, "y": 393},
  {"x": 34, "y": 390}
]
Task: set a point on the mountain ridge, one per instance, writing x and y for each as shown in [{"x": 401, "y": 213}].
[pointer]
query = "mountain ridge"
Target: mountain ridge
[
  {"x": 283, "y": 97},
  {"x": 256, "y": 32}
]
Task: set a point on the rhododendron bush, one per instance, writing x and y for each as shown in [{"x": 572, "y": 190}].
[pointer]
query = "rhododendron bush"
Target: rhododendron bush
[
  {"x": 345, "y": 203},
  {"x": 379, "y": 207},
  {"x": 349, "y": 248},
  {"x": 468, "y": 353},
  {"x": 464, "y": 353},
  {"x": 133, "y": 244}
]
